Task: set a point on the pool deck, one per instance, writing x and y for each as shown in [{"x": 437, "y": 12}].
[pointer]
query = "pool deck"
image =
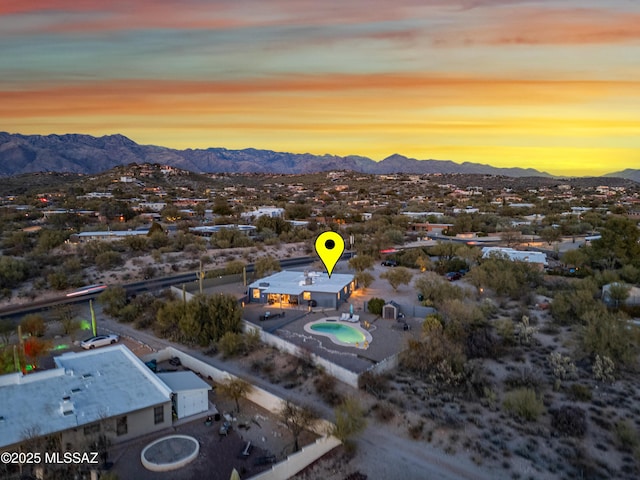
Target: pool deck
[{"x": 386, "y": 340}]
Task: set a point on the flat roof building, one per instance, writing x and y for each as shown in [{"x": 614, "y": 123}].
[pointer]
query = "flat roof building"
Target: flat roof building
[
  {"x": 303, "y": 288},
  {"x": 108, "y": 389},
  {"x": 83, "y": 237},
  {"x": 538, "y": 258}
]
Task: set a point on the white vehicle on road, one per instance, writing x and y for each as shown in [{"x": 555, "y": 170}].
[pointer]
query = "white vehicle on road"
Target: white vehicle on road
[{"x": 99, "y": 341}]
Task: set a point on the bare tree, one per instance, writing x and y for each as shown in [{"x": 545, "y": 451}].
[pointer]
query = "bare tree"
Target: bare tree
[
  {"x": 235, "y": 389},
  {"x": 297, "y": 419}
]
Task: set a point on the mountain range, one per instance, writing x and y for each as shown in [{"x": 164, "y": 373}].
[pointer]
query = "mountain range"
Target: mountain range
[{"x": 77, "y": 153}]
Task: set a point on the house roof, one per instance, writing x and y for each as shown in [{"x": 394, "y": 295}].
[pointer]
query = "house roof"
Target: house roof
[
  {"x": 516, "y": 255},
  {"x": 113, "y": 233},
  {"x": 293, "y": 283},
  {"x": 183, "y": 381},
  {"x": 86, "y": 387}
]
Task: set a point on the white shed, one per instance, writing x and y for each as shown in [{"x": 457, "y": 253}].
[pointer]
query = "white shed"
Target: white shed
[{"x": 189, "y": 392}]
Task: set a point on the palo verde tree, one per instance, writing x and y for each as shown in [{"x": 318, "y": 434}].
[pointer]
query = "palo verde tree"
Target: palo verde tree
[{"x": 397, "y": 276}]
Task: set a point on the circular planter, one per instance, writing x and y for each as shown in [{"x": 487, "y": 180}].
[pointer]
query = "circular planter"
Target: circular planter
[{"x": 169, "y": 453}]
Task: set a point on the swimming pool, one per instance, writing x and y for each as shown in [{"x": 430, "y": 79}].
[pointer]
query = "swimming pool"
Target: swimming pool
[{"x": 341, "y": 333}]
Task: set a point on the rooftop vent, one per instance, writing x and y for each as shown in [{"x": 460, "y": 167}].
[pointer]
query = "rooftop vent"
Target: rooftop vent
[{"x": 66, "y": 406}]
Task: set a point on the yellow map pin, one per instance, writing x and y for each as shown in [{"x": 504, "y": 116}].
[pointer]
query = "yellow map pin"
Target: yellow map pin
[{"x": 329, "y": 247}]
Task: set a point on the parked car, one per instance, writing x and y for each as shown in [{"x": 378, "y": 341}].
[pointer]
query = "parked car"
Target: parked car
[
  {"x": 452, "y": 276},
  {"x": 99, "y": 341},
  {"x": 389, "y": 263}
]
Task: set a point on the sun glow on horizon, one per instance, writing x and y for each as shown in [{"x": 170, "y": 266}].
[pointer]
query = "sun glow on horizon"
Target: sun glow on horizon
[{"x": 545, "y": 85}]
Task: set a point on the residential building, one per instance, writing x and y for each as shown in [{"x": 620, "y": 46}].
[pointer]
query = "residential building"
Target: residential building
[
  {"x": 103, "y": 391},
  {"x": 264, "y": 211},
  {"x": 303, "y": 288},
  {"x": 538, "y": 258},
  {"x": 109, "y": 235}
]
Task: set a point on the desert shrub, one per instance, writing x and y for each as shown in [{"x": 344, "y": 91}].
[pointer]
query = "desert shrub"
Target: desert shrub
[
  {"x": 506, "y": 330},
  {"x": 480, "y": 342},
  {"x": 108, "y": 260},
  {"x": 375, "y": 305},
  {"x": 608, "y": 334},
  {"x": 383, "y": 411},
  {"x": 525, "y": 377},
  {"x": 523, "y": 403},
  {"x": 579, "y": 392},
  {"x": 128, "y": 313},
  {"x": 326, "y": 387},
  {"x": 373, "y": 383},
  {"x": 415, "y": 431},
  {"x": 251, "y": 339},
  {"x": 626, "y": 434},
  {"x": 33, "y": 324},
  {"x": 475, "y": 383},
  {"x": 234, "y": 266},
  {"x": 231, "y": 344},
  {"x": 569, "y": 420},
  {"x": 58, "y": 280},
  {"x": 435, "y": 358}
]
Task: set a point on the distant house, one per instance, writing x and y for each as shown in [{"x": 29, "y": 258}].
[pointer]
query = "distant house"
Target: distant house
[
  {"x": 208, "y": 230},
  {"x": 84, "y": 237},
  {"x": 273, "y": 212},
  {"x": 303, "y": 288},
  {"x": 537, "y": 258},
  {"x": 104, "y": 391},
  {"x": 632, "y": 299}
]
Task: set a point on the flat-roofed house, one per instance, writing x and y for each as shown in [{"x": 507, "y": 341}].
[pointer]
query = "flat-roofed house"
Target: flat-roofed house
[
  {"x": 106, "y": 391},
  {"x": 303, "y": 288}
]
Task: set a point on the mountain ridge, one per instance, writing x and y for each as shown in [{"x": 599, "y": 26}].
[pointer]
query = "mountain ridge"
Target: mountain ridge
[{"x": 81, "y": 153}]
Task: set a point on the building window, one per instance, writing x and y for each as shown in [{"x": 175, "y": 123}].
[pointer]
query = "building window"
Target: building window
[
  {"x": 256, "y": 293},
  {"x": 121, "y": 426},
  {"x": 306, "y": 295},
  {"x": 158, "y": 415},
  {"x": 91, "y": 429}
]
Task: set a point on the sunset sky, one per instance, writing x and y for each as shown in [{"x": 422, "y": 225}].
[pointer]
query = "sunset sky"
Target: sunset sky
[{"x": 553, "y": 85}]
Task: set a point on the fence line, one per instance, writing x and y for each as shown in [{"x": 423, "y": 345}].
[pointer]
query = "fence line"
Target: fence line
[{"x": 341, "y": 373}]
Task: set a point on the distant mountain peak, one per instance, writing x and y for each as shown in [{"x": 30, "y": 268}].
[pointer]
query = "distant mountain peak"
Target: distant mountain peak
[{"x": 79, "y": 153}]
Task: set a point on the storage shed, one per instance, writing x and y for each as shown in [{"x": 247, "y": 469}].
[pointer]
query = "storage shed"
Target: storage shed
[{"x": 189, "y": 392}]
